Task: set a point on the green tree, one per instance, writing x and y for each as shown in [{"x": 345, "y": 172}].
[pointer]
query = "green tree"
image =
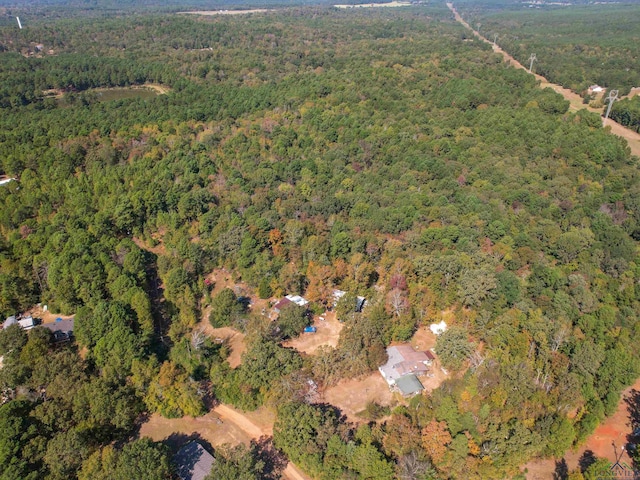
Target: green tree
[
  {"x": 292, "y": 320},
  {"x": 141, "y": 459},
  {"x": 453, "y": 347},
  {"x": 224, "y": 308}
]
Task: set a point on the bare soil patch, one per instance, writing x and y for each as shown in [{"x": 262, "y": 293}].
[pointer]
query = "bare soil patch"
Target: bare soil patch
[
  {"x": 159, "y": 249},
  {"x": 375, "y": 5},
  {"x": 210, "y": 427},
  {"x": 352, "y": 396},
  {"x": 222, "y": 278},
  {"x": 613, "y": 430},
  {"x": 225, "y": 12},
  {"x": 46, "y": 317},
  {"x": 231, "y": 337},
  {"x": 327, "y": 333}
]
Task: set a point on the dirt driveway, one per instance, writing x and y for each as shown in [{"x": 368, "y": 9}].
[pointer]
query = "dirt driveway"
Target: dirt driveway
[
  {"x": 632, "y": 138},
  {"x": 223, "y": 425}
]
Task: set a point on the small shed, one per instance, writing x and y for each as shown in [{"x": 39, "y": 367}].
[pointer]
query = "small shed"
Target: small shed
[
  {"x": 193, "y": 462},
  {"x": 26, "y": 322},
  {"x": 9, "y": 321}
]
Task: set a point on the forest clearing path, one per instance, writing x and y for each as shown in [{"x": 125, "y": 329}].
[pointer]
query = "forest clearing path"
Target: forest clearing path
[
  {"x": 254, "y": 431},
  {"x": 632, "y": 138}
]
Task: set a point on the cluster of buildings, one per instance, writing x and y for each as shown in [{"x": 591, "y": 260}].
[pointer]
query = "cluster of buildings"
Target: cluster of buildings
[
  {"x": 403, "y": 368},
  {"x": 62, "y": 329},
  {"x": 406, "y": 365}
]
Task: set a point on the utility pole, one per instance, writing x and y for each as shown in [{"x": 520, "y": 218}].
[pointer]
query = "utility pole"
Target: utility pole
[
  {"x": 532, "y": 58},
  {"x": 613, "y": 96},
  {"x": 495, "y": 38}
]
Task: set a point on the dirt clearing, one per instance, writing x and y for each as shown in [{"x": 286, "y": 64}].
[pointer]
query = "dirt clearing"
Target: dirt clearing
[
  {"x": 352, "y": 396},
  {"x": 613, "y": 430},
  {"x": 46, "y": 317},
  {"x": 328, "y": 330},
  {"x": 231, "y": 337}
]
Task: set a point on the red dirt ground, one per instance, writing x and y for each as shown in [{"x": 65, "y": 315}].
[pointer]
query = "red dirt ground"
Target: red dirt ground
[{"x": 614, "y": 430}]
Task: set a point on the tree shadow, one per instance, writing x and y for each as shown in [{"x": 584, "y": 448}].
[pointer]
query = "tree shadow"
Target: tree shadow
[
  {"x": 587, "y": 459},
  {"x": 633, "y": 407},
  {"x": 190, "y": 455},
  {"x": 177, "y": 440},
  {"x": 633, "y": 438},
  {"x": 274, "y": 460},
  {"x": 561, "y": 471}
]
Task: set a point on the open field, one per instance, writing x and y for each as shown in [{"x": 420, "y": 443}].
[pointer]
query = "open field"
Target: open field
[
  {"x": 372, "y": 5},
  {"x": 328, "y": 333},
  {"x": 225, "y": 12},
  {"x": 145, "y": 91},
  {"x": 352, "y": 396}
]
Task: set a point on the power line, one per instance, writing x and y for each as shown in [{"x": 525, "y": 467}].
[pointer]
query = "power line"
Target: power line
[
  {"x": 613, "y": 96},
  {"x": 532, "y": 58}
]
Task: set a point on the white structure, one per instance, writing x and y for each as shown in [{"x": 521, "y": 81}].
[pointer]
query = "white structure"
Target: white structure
[
  {"x": 596, "y": 89},
  {"x": 438, "y": 328},
  {"x": 298, "y": 300},
  {"x": 27, "y": 322},
  {"x": 4, "y": 181}
]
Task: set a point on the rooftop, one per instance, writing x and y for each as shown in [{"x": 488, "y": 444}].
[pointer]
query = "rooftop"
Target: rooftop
[
  {"x": 404, "y": 360},
  {"x": 193, "y": 462},
  {"x": 409, "y": 385},
  {"x": 60, "y": 325}
]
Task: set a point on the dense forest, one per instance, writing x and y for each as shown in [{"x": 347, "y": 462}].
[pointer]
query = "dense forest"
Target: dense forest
[
  {"x": 381, "y": 152},
  {"x": 575, "y": 46}
]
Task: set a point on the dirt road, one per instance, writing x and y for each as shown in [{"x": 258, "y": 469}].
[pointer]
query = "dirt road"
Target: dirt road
[
  {"x": 254, "y": 431},
  {"x": 632, "y": 138}
]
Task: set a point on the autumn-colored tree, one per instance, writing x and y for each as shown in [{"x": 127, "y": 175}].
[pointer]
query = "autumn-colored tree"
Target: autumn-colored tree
[
  {"x": 401, "y": 436},
  {"x": 435, "y": 438},
  {"x": 320, "y": 287},
  {"x": 275, "y": 240}
]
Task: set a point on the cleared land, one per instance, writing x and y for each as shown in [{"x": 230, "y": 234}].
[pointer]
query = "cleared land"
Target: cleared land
[
  {"x": 372, "y": 5},
  {"x": 352, "y": 396},
  {"x": 614, "y": 430},
  {"x": 46, "y": 317},
  {"x": 327, "y": 333},
  {"x": 233, "y": 338},
  {"x": 223, "y": 425},
  {"x": 225, "y": 12}
]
